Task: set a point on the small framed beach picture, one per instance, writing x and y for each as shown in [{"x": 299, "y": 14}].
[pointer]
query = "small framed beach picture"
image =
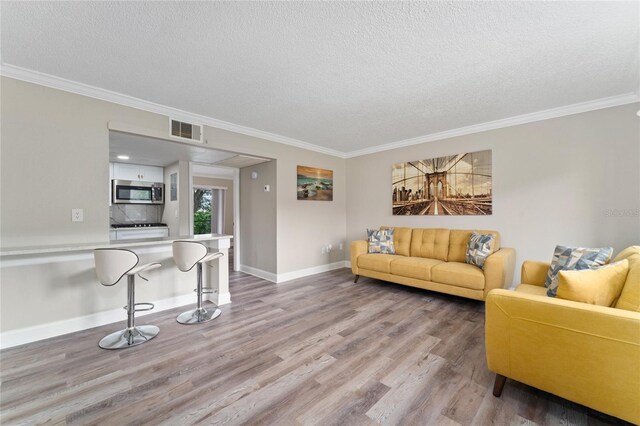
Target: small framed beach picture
[{"x": 315, "y": 184}]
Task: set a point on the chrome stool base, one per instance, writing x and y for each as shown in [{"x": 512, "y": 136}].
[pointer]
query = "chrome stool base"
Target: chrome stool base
[
  {"x": 198, "y": 316},
  {"x": 129, "y": 337}
]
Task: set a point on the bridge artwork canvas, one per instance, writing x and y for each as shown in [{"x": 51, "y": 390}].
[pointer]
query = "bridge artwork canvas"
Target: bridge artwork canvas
[{"x": 452, "y": 185}]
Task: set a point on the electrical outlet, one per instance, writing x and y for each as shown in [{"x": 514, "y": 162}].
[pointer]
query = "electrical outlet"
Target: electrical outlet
[
  {"x": 77, "y": 215},
  {"x": 267, "y": 188},
  {"x": 341, "y": 246}
]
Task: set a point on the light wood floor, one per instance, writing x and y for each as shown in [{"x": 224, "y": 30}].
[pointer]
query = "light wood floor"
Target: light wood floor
[{"x": 318, "y": 350}]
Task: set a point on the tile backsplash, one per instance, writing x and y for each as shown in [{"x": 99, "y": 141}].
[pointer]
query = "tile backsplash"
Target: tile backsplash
[{"x": 135, "y": 213}]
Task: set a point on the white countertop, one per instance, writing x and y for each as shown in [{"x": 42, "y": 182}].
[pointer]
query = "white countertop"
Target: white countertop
[{"x": 61, "y": 248}]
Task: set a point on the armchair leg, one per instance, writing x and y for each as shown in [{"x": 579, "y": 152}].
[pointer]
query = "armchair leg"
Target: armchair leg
[
  {"x": 498, "y": 385},
  {"x": 356, "y": 280}
]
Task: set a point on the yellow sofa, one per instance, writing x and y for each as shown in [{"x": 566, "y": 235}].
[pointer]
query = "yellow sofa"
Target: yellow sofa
[
  {"x": 433, "y": 259},
  {"x": 585, "y": 353}
]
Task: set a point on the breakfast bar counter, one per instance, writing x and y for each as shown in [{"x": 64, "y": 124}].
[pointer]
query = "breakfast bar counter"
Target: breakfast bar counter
[{"x": 59, "y": 282}]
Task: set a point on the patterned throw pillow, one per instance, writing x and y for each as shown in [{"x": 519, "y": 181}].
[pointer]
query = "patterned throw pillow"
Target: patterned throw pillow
[
  {"x": 381, "y": 241},
  {"x": 478, "y": 249},
  {"x": 574, "y": 258}
]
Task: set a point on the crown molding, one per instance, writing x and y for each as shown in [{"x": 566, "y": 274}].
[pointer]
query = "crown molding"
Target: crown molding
[
  {"x": 562, "y": 111},
  {"x": 54, "y": 82},
  {"x": 59, "y": 83}
]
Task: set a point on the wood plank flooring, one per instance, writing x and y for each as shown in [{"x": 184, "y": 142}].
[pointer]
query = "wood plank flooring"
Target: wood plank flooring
[{"x": 318, "y": 350}]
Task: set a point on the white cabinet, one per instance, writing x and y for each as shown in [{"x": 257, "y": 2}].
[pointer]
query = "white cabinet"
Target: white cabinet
[{"x": 127, "y": 171}]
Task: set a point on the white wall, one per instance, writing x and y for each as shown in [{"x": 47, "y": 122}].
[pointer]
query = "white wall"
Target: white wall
[{"x": 573, "y": 180}]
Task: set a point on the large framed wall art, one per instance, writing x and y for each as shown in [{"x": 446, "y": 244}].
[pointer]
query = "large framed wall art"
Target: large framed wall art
[{"x": 453, "y": 185}]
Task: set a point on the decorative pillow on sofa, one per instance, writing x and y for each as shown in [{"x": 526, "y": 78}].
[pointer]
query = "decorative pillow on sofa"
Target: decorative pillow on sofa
[
  {"x": 479, "y": 248},
  {"x": 600, "y": 286},
  {"x": 574, "y": 258},
  {"x": 381, "y": 241}
]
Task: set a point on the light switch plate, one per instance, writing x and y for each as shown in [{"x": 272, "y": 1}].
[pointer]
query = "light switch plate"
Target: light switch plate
[
  {"x": 77, "y": 215},
  {"x": 267, "y": 188}
]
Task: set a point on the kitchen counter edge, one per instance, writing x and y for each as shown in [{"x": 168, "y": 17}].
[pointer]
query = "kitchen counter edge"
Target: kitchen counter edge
[{"x": 61, "y": 248}]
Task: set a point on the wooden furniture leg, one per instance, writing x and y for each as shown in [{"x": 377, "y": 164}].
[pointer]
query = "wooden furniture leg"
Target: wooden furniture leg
[{"x": 498, "y": 385}]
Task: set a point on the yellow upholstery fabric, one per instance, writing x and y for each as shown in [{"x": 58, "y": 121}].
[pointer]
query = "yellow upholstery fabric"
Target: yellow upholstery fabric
[
  {"x": 498, "y": 269},
  {"x": 376, "y": 262},
  {"x": 357, "y": 248},
  {"x": 624, "y": 254},
  {"x": 601, "y": 286},
  {"x": 585, "y": 353},
  {"x": 630, "y": 297},
  {"x": 414, "y": 267},
  {"x": 458, "y": 274},
  {"x": 432, "y": 243},
  {"x": 534, "y": 272},
  {"x": 459, "y": 240},
  {"x": 401, "y": 239},
  {"x": 534, "y": 290}
]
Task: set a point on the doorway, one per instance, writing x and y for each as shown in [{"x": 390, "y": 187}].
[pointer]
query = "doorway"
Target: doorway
[
  {"x": 209, "y": 210},
  {"x": 215, "y": 204}
]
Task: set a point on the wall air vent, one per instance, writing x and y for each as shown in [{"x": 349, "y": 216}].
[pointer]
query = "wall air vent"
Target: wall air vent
[{"x": 188, "y": 131}]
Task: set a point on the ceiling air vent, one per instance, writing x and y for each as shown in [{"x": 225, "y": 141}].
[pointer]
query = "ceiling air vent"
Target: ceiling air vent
[{"x": 188, "y": 131}]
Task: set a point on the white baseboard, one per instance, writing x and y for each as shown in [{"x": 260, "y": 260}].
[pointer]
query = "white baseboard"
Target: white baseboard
[
  {"x": 288, "y": 276},
  {"x": 58, "y": 328},
  {"x": 347, "y": 264},
  {"x": 269, "y": 276}
]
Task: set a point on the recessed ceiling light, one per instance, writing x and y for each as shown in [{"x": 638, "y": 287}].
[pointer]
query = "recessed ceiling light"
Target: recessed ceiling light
[{"x": 123, "y": 157}]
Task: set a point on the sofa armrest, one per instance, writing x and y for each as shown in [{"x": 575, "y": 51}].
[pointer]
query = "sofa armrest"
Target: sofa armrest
[
  {"x": 585, "y": 353},
  {"x": 498, "y": 269},
  {"x": 534, "y": 272},
  {"x": 357, "y": 248}
]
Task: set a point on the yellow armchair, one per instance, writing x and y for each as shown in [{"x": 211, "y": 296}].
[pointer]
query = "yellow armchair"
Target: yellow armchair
[{"x": 585, "y": 353}]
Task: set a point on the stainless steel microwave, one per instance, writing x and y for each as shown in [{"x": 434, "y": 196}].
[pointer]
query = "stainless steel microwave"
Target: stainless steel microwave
[{"x": 135, "y": 192}]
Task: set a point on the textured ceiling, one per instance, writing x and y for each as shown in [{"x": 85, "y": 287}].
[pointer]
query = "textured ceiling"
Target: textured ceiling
[{"x": 345, "y": 76}]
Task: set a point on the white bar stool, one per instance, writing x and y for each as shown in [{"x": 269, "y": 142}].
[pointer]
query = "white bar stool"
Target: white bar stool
[
  {"x": 188, "y": 254},
  {"x": 111, "y": 266}
]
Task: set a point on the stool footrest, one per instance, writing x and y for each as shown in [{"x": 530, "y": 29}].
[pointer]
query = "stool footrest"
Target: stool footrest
[
  {"x": 205, "y": 290},
  {"x": 149, "y": 306}
]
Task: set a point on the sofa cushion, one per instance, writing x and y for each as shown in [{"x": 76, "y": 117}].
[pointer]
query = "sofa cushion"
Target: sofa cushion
[
  {"x": 479, "y": 248},
  {"x": 600, "y": 286},
  {"x": 401, "y": 239},
  {"x": 459, "y": 240},
  {"x": 626, "y": 253},
  {"x": 574, "y": 258},
  {"x": 381, "y": 241},
  {"x": 459, "y": 274},
  {"x": 630, "y": 297},
  {"x": 414, "y": 267},
  {"x": 377, "y": 262},
  {"x": 432, "y": 243},
  {"x": 536, "y": 290}
]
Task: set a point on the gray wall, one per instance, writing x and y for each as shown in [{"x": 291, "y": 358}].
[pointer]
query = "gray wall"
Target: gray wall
[
  {"x": 57, "y": 143},
  {"x": 258, "y": 219},
  {"x": 573, "y": 180}
]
